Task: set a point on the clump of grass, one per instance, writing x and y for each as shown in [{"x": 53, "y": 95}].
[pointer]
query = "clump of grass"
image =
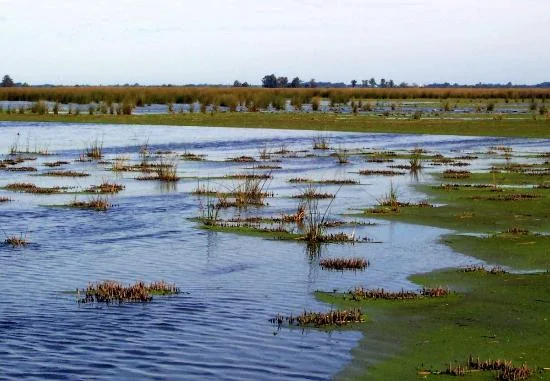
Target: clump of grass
[
  {"x": 517, "y": 230},
  {"x": 321, "y": 143},
  {"x": 390, "y": 199},
  {"x": 244, "y": 176},
  {"x": 338, "y": 182},
  {"x": 342, "y": 156},
  {"x": 320, "y": 319},
  {"x": 16, "y": 241},
  {"x": 105, "y": 187},
  {"x": 299, "y": 180},
  {"x": 415, "y": 161},
  {"x": 95, "y": 203},
  {"x": 483, "y": 269},
  {"x": 342, "y": 264},
  {"x": 165, "y": 170},
  {"x": 21, "y": 169},
  {"x": 360, "y": 293},
  {"x": 4, "y": 199},
  {"x": 453, "y": 174},
  {"x": 65, "y": 174},
  {"x": 311, "y": 192},
  {"x": 189, "y": 156},
  {"x": 95, "y": 149},
  {"x": 114, "y": 292},
  {"x": 55, "y": 163},
  {"x": 32, "y": 188},
  {"x": 374, "y": 172},
  {"x": 506, "y": 371},
  {"x": 242, "y": 159}
]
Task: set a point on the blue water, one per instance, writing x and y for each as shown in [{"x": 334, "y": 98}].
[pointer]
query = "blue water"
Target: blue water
[{"x": 218, "y": 327}]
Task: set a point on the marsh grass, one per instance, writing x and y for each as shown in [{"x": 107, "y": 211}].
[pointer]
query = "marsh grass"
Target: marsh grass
[
  {"x": 341, "y": 264},
  {"x": 321, "y": 319},
  {"x": 321, "y": 142},
  {"x": 32, "y": 188},
  {"x": 65, "y": 174},
  {"x": 15, "y": 241},
  {"x": 360, "y": 293},
  {"x": 114, "y": 292},
  {"x": 94, "y": 150},
  {"x": 505, "y": 370},
  {"x": 105, "y": 187},
  {"x": 376, "y": 172},
  {"x": 98, "y": 203}
]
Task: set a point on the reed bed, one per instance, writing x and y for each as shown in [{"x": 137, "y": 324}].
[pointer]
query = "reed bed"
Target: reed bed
[
  {"x": 321, "y": 143},
  {"x": 21, "y": 169},
  {"x": 311, "y": 192},
  {"x": 360, "y": 293},
  {"x": 257, "y": 98},
  {"x": 505, "y": 370},
  {"x": 508, "y": 197},
  {"x": 241, "y": 159},
  {"x": 65, "y": 174},
  {"x": 4, "y": 199},
  {"x": 377, "y": 172},
  {"x": 53, "y": 164},
  {"x": 299, "y": 180},
  {"x": 342, "y": 264},
  {"x": 95, "y": 203},
  {"x": 495, "y": 270},
  {"x": 453, "y": 174},
  {"x": 94, "y": 150},
  {"x": 338, "y": 182},
  {"x": 192, "y": 157},
  {"x": 320, "y": 319},
  {"x": 245, "y": 176},
  {"x": 32, "y": 188},
  {"x": 114, "y": 292},
  {"x": 105, "y": 187}
]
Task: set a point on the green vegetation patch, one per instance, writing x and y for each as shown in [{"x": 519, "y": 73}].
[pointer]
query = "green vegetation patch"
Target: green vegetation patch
[{"x": 495, "y": 317}]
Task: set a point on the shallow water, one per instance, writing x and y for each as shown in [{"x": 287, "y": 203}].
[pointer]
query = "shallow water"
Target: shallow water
[{"x": 218, "y": 327}]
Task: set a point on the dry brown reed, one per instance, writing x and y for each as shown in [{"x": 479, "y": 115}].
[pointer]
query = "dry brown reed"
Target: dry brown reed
[
  {"x": 111, "y": 291},
  {"x": 65, "y": 174},
  {"x": 95, "y": 203},
  {"x": 342, "y": 264},
  {"x": 32, "y": 188}
]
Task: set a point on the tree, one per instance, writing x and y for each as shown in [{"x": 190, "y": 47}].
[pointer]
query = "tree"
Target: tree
[
  {"x": 312, "y": 84},
  {"x": 372, "y": 82},
  {"x": 237, "y": 84},
  {"x": 245, "y": 84},
  {"x": 383, "y": 82},
  {"x": 364, "y": 83},
  {"x": 282, "y": 82},
  {"x": 296, "y": 83},
  {"x": 391, "y": 83},
  {"x": 269, "y": 81},
  {"x": 353, "y": 83},
  {"x": 7, "y": 81}
]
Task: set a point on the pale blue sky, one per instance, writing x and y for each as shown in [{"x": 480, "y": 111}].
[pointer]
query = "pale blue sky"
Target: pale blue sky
[{"x": 218, "y": 41}]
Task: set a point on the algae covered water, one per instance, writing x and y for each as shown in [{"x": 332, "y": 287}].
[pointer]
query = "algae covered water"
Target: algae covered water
[{"x": 218, "y": 327}]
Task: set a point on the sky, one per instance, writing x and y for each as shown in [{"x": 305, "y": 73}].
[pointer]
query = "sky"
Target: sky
[{"x": 218, "y": 41}]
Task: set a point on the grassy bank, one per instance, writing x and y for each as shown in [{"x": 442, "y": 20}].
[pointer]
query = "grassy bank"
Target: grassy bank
[
  {"x": 496, "y": 317},
  {"x": 493, "y": 316},
  {"x": 527, "y": 128}
]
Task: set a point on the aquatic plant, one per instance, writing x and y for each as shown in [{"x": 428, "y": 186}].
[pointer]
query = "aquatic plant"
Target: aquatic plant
[
  {"x": 15, "y": 241},
  {"x": 342, "y": 264},
  {"x": 453, "y": 174},
  {"x": 54, "y": 164},
  {"x": 360, "y": 293},
  {"x": 311, "y": 192},
  {"x": 32, "y": 188},
  {"x": 482, "y": 269},
  {"x": 95, "y": 149},
  {"x": 342, "y": 156},
  {"x": 241, "y": 159},
  {"x": 114, "y": 292},
  {"x": 95, "y": 203},
  {"x": 321, "y": 143},
  {"x": 375, "y": 172},
  {"x": 65, "y": 174},
  {"x": 4, "y": 199},
  {"x": 506, "y": 371},
  {"x": 105, "y": 187},
  {"x": 320, "y": 319}
]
